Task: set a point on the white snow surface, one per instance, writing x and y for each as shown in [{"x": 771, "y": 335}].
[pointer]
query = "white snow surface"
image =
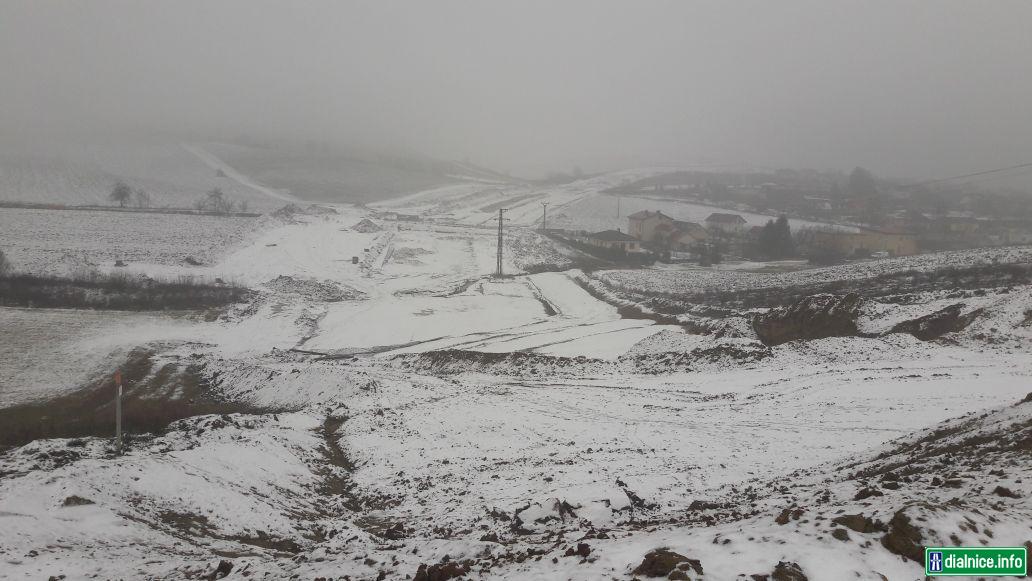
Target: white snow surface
[{"x": 549, "y": 409}]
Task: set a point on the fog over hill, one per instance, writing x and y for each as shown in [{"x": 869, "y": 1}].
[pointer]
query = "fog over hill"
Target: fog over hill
[
  {"x": 904, "y": 88},
  {"x": 177, "y": 171},
  {"x": 514, "y": 290}
]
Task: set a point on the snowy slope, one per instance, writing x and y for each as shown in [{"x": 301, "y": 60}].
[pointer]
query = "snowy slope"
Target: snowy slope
[
  {"x": 84, "y": 173},
  {"x": 410, "y": 407}
]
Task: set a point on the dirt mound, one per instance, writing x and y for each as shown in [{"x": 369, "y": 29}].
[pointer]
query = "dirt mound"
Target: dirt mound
[
  {"x": 291, "y": 212},
  {"x": 934, "y": 325},
  {"x": 813, "y": 317},
  {"x": 451, "y": 361},
  {"x": 406, "y": 255},
  {"x": 904, "y": 538},
  {"x": 787, "y": 571},
  {"x": 661, "y": 562},
  {"x": 74, "y": 500},
  {"x": 730, "y": 353},
  {"x": 314, "y": 210},
  {"x": 325, "y": 291},
  {"x": 441, "y": 571},
  {"x": 287, "y": 212},
  {"x": 367, "y": 226},
  {"x": 859, "y": 523}
]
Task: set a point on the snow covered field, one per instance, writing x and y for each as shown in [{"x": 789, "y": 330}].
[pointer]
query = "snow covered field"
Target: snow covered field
[
  {"x": 422, "y": 413},
  {"x": 709, "y": 279},
  {"x": 62, "y": 241}
]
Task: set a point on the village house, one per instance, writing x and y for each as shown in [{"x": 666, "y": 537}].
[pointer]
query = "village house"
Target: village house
[
  {"x": 956, "y": 224},
  {"x": 953, "y": 231},
  {"x": 662, "y": 231},
  {"x": 613, "y": 240},
  {"x": 727, "y": 223},
  {"x": 642, "y": 225},
  {"x": 1011, "y": 232},
  {"x": 908, "y": 221},
  {"x": 859, "y": 243},
  {"x": 686, "y": 236}
]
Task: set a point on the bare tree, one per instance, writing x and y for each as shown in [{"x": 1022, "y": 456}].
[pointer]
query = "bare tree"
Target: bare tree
[
  {"x": 216, "y": 202},
  {"x": 141, "y": 198},
  {"x": 121, "y": 193}
]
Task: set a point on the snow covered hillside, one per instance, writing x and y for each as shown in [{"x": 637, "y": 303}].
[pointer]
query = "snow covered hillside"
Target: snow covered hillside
[
  {"x": 177, "y": 173},
  {"x": 351, "y": 177},
  {"x": 84, "y": 173},
  {"x": 392, "y": 411}
]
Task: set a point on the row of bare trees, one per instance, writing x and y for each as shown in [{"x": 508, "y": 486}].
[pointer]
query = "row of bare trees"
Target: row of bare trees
[
  {"x": 125, "y": 195},
  {"x": 216, "y": 201},
  {"x": 213, "y": 201}
]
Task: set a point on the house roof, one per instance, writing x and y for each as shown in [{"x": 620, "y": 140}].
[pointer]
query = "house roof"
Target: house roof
[
  {"x": 725, "y": 218},
  {"x": 694, "y": 234},
  {"x": 682, "y": 225},
  {"x": 645, "y": 214},
  {"x": 890, "y": 231},
  {"x": 613, "y": 236}
]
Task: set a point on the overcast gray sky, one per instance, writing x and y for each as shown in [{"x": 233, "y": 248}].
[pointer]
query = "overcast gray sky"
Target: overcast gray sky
[{"x": 906, "y": 88}]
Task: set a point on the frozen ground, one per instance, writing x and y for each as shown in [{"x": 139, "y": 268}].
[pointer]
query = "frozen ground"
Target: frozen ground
[
  {"x": 427, "y": 414},
  {"x": 61, "y": 242}
]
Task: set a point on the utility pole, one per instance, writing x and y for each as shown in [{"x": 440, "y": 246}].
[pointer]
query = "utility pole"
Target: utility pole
[
  {"x": 118, "y": 412},
  {"x": 501, "y": 220},
  {"x": 618, "y": 207},
  {"x": 544, "y": 216}
]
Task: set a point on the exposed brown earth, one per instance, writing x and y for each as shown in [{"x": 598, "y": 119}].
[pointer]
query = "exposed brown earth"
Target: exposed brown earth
[
  {"x": 156, "y": 393},
  {"x": 814, "y": 317}
]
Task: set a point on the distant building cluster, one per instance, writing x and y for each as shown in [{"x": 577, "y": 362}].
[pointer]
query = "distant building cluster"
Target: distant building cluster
[
  {"x": 853, "y": 244},
  {"x": 863, "y": 215}
]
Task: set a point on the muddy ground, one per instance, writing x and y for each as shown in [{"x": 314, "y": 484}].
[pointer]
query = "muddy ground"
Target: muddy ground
[{"x": 157, "y": 391}]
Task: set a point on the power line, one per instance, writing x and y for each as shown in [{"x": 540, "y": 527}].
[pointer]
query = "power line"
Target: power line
[
  {"x": 501, "y": 220},
  {"x": 969, "y": 175},
  {"x": 1005, "y": 176}
]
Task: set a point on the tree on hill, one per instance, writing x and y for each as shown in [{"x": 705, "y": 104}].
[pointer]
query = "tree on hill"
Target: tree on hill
[
  {"x": 141, "y": 198},
  {"x": 775, "y": 240},
  {"x": 864, "y": 187},
  {"x": 783, "y": 238},
  {"x": 862, "y": 183},
  {"x": 121, "y": 193},
  {"x": 215, "y": 201}
]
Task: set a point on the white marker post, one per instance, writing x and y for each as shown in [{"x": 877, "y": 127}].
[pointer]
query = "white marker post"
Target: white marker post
[{"x": 118, "y": 412}]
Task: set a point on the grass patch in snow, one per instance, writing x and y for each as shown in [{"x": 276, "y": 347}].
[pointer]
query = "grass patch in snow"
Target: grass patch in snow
[{"x": 116, "y": 291}]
